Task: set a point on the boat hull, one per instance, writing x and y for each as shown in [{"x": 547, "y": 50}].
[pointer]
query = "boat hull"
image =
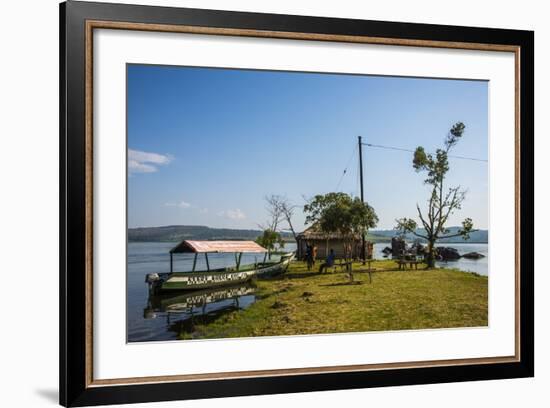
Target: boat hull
[{"x": 186, "y": 281}]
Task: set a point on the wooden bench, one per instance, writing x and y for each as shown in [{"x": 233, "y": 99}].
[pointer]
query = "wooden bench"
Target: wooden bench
[
  {"x": 343, "y": 265},
  {"x": 402, "y": 263}
]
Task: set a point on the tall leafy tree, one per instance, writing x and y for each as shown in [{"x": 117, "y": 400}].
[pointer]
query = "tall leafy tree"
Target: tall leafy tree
[
  {"x": 341, "y": 214},
  {"x": 442, "y": 202},
  {"x": 314, "y": 207}
]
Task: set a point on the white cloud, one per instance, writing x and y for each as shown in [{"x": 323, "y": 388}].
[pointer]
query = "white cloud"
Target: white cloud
[
  {"x": 146, "y": 162},
  {"x": 203, "y": 210},
  {"x": 235, "y": 214},
  {"x": 180, "y": 204}
]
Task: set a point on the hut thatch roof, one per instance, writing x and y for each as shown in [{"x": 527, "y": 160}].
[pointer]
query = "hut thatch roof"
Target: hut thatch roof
[{"x": 314, "y": 233}]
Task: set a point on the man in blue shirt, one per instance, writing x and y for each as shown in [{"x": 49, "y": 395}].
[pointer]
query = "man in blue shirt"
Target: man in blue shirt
[{"x": 329, "y": 262}]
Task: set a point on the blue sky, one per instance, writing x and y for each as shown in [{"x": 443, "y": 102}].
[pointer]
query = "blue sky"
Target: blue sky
[{"x": 206, "y": 145}]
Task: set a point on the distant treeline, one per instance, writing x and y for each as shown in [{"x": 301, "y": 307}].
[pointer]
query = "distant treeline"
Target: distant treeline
[
  {"x": 477, "y": 237},
  {"x": 176, "y": 233}
]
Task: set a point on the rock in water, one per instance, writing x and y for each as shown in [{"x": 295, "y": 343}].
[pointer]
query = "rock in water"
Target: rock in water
[
  {"x": 447, "y": 254},
  {"x": 473, "y": 255}
]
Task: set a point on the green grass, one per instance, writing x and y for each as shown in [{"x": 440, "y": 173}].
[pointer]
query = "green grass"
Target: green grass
[{"x": 302, "y": 302}]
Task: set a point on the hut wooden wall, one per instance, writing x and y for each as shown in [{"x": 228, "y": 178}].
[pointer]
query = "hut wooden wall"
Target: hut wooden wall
[{"x": 323, "y": 249}]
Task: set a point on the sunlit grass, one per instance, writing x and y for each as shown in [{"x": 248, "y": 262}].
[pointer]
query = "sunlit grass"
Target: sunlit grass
[{"x": 306, "y": 302}]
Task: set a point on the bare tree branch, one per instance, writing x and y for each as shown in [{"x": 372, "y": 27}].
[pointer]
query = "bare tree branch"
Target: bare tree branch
[
  {"x": 280, "y": 210},
  {"x": 418, "y": 235},
  {"x": 458, "y": 234}
]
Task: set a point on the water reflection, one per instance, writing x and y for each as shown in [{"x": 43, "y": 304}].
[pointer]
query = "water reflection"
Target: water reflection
[
  {"x": 160, "y": 322},
  {"x": 183, "y": 311}
]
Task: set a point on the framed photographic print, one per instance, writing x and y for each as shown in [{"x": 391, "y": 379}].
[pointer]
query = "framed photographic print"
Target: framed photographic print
[{"x": 256, "y": 203}]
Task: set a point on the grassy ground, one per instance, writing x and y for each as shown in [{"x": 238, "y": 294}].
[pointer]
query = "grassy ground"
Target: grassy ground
[{"x": 302, "y": 302}]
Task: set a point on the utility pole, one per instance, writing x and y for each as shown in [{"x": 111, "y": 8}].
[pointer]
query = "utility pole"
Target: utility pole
[{"x": 363, "y": 253}]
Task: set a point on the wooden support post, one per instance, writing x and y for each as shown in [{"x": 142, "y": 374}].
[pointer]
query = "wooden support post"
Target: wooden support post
[
  {"x": 207, "y": 263},
  {"x": 195, "y": 261},
  {"x": 362, "y": 195},
  {"x": 370, "y": 270},
  {"x": 171, "y": 263},
  {"x": 239, "y": 260}
]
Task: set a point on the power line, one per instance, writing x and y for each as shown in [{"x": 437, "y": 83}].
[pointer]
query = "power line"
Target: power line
[
  {"x": 412, "y": 151},
  {"x": 345, "y": 169},
  {"x": 401, "y": 149}
]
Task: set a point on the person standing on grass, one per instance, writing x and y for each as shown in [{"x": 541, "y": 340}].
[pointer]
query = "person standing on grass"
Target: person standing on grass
[
  {"x": 329, "y": 262},
  {"x": 314, "y": 254},
  {"x": 309, "y": 257}
]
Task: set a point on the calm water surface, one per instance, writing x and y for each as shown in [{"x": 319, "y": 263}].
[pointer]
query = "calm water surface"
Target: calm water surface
[
  {"x": 480, "y": 266},
  {"x": 164, "y": 318}
]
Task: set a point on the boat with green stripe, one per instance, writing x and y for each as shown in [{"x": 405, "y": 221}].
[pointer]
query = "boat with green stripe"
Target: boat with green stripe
[{"x": 211, "y": 278}]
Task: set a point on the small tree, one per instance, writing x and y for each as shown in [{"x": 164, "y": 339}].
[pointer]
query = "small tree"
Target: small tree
[
  {"x": 280, "y": 209},
  {"x": 274, "y": 210},
  {"x": 441, "y": 204},
  {"x": 287, "y": 209},
  {"x": 270, "y": 240}
]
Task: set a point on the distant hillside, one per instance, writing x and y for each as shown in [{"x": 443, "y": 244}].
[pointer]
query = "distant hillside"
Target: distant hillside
[
  {"x": 478, "y": 237},
  {"x": 373, "y": 236},
  {"x": 176, "y": 233}
]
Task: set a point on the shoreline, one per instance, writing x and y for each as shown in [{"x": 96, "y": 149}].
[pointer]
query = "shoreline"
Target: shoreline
[
  {"x": 307, "y": 302},
  {"x": 293, "y": 242}
]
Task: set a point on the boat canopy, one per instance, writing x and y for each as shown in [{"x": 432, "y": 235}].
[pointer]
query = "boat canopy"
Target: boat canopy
[{"x": 196, "y": 247}]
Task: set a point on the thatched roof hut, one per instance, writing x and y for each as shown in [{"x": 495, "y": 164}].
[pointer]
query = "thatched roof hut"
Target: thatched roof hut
[{"x": 325, "y": 242}]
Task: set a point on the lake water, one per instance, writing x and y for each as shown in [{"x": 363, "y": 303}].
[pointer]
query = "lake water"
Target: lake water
[
  {"x": 166, "y": 317},
  {"x": 480, "y": 266}
]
